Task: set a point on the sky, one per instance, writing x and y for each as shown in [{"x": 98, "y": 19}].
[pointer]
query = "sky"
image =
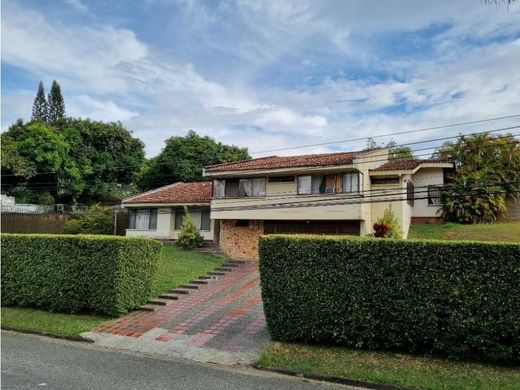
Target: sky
[{"x": 267, "y": 74}]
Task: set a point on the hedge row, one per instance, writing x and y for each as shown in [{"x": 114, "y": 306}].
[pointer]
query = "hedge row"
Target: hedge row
[
  {"x": 457, "y": 299},
  {"x": 109, "y": 275}
]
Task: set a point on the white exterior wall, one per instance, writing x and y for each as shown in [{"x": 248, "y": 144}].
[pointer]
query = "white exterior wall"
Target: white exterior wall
[{"x": 421, "y": 180}]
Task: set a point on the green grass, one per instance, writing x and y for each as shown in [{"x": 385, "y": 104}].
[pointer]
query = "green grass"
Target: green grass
[
  {"x": 506, "y": 231},
  {"x": 390, "y": 368},
  {"x": 176, "y": 266},
  {"x": 27, "y": 319}
]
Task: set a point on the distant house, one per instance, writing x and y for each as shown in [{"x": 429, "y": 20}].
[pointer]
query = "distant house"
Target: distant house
[
  {"x": 159, "y": 213},
  {"x": 333, "y": 193}
]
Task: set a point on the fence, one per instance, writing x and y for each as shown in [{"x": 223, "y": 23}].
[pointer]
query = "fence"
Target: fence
[{"x": 50, "y": 223}]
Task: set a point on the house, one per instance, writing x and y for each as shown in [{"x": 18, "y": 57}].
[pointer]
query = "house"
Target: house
[
  {"x": 333, "y": 193},
  {"x": 159, "y": 213}
]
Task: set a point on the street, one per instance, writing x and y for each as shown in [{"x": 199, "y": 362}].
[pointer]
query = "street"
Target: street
[{"x": 33, "y": 362}]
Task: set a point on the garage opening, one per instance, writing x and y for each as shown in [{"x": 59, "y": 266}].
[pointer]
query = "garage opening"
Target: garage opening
[{"x": 312, "y": 227}]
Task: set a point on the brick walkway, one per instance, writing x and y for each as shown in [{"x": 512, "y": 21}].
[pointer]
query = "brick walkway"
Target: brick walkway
[{"x": 221, "y": 322}]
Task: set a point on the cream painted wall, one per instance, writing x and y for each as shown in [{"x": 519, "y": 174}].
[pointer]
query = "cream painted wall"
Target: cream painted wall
[
  {"x": 166, "y": 227},
  {"x": 421, "y": 180}
]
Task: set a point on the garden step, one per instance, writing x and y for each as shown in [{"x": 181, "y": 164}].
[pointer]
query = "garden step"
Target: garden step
[
  {"x": 231, "y": 265},
  {"x": 224, "y": 269},
  {"x": 169, "y": 296},
  {"x": 199, "y": 282},
  {"x": 179, "y": 291},
  {"x": 190, "y": 286},
  {"x": 206, "y": 277},
  {"x": 149, "y": 308},
  {"x": 216, "y": 273},
  {"x": 159, "y": 301}
]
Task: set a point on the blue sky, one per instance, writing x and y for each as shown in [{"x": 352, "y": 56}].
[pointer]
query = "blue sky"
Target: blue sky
[{"x": 266, "y": 74}]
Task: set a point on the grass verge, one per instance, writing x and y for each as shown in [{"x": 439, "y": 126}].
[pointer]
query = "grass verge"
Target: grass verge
[
  {"x": 390, "y": 368},
  {"x": 178, "y": 266},
  {"x": 59, "y": 324},
  {"x": 506, "y": 231}
]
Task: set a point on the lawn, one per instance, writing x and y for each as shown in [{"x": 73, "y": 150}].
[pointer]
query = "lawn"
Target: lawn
[
  {"x": 176, "y": 266},
  {"x": 390, "y": 368},
  {"x": 506, "y": 231}
]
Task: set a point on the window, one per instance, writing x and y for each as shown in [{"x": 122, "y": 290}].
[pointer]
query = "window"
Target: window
[
  {"x": 200, "y": 219},
  {"x": 314, "y": 184},
  {"x": 281, "y": 179},
  {"x": 352, "y": 182},
  {"x": 231, "y": 190},
  {"x": 410, "y": 193},
  {"x": 142, "y": 219},
  {"x": 242, "y": 222},
  {"x": 219, "y": 187},
  {"x": 251, "y": 187},
  {"x": 385, "y": 180},
  {"x": 434, "y": 195}
]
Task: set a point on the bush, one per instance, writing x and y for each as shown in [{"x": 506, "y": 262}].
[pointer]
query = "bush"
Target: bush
[
  {"x": 189, "y": 237},
  {"x": 457, "y": 299},
  {"x": 95, "y": 220},
  {"x": 388, "y": 226},
  {"x": 109, "y": 275}
]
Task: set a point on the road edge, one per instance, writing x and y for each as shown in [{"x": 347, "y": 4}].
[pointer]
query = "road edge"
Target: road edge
[{"x": 45, "y": 334}]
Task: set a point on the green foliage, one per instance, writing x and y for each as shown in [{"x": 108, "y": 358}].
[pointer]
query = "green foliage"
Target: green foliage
[
  {"x": 183, "y": 159},
  {"x": 487, "y": 171},
  {"x": 95, "y": 220},
  {"x": 40, "y": 108},
  {"x": 108, "y": 275},
  {"x": 389, "y": 221},
  {"x": 189, "y": 237},
  {"x": 56, "y": 110},
  {"x": 457, "y": 299}
]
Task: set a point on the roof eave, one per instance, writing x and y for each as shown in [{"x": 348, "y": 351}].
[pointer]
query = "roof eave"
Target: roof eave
[{"x": 274, "y": 171}]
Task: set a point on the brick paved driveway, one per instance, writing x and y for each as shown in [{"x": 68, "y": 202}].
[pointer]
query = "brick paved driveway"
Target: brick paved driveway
[{"x": 221, "y": 322}]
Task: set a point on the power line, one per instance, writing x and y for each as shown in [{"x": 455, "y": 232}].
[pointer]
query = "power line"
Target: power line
[{"x": 388, "y": 134}]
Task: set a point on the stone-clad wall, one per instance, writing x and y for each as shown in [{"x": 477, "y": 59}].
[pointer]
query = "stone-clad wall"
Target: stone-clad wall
[{"x": 240, "y": 242}]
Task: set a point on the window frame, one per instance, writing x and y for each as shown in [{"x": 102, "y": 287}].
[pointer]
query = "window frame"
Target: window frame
[
  {"x": 152, "y": 218},
  {"x": 431, "y": 198},
  {"x": 322, "y": 186}
]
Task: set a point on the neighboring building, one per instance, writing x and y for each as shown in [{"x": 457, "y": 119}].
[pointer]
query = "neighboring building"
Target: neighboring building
[
  {"x": 334, "y": 193},
  {"x": 159, "y": 213}
]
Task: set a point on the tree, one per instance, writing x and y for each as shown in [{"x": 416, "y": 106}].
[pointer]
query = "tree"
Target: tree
[
  {"x": 487, "y": 171},
  {"x": 56, "y": 109},
  {"x": 397, "y": 152},
  {"x": 40, "y": 107},
  {"x": 183, "y": 159}
]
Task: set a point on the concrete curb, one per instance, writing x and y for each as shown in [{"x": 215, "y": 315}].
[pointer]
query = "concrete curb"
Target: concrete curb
[
  {"x": 332, "y": 379},
  {"x": 45, "y": 334}
]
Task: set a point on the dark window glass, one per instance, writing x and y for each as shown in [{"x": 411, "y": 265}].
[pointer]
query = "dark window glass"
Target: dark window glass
[
  {"x": 152, "y": 224},
  {"x": 410, "y": 193},
  {"x": 434, "y": 195},
  {"x": 204, "y": 220},
  {"x": 231, "y": 190},
  {"x": 242, "y": 222},
  {"x": 281, "y": 179},
  {"x": 385, "y": 180},
  {"x": 179, "y": 216},
  {"x": 131, "y": 219}
]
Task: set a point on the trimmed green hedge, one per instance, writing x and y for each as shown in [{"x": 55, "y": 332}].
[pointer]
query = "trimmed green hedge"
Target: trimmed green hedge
[
  {"x": 65, "y": 273},
  {"x": 457, "y": 299}
]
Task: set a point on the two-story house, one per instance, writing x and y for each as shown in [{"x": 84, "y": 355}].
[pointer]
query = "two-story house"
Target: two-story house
[{"x": 333, "y": 193}]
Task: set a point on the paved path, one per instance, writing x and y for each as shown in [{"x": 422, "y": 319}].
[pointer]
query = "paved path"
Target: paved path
[
  {"x": 222, "y": 322},
  {"x": 33, "y": 362}
]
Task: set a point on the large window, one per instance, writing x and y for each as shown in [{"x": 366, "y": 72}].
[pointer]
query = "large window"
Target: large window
[
  {"x": 314, "y": 184},
  {"x": 234, "y": 188},
  {"x": 142, "y": 219},
  {"x": 385, "y": 180},
  {"x": 200, "y": 218},
  {"x": 352, "y": 182},
  {"x": 434, "y": 195}
]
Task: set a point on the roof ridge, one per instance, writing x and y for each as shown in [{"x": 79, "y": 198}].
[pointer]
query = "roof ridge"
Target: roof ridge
[{"x": 151, "y": 191}]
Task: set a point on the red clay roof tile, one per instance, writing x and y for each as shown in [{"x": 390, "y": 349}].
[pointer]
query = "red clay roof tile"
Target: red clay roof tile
[
  {"x": 182, "y": 193},
  {"x": 399, "y": 165}
]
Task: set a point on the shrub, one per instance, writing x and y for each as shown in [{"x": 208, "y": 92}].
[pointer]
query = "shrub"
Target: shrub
[
  {"x": 109, "y": 275},
  {"x": 380, "y": 230},
  {"x": 189, "y": 237},
  {"x": 457, "y": 299},
  {"x": 388, "y": 226},
  {"x": 95, "y": 220}
]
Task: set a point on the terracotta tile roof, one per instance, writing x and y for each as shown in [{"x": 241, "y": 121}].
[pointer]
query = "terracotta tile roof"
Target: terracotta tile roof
[
  {"x": 275, "y": 162},
  {"x": 404, "y": 165},
  {"x": 198, "y": 192}
]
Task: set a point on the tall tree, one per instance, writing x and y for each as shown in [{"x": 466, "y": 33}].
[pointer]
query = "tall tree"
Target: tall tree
[
  {"x": 56, "y": 103},
  {"x": 183, "y": 159},
  {"x": 40, "y": 108}
]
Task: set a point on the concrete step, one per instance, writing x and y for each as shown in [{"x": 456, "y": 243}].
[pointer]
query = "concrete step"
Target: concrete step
[
  {"x": 216, "y": 273},
  {"x": 159, "y": 301},
  {"x": 149, "y": 308},
  {"x": 179, "y": 291},
  {"x": 206, "y": 277},
  {"x": 224, "y": 269},
  {"x": 173, "y": 297},
  {"x": 197, "y": 281},
  {"x": 190, "y": 286}
]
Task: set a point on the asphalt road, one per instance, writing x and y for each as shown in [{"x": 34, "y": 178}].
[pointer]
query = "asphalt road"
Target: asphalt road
[{"x": 33, "y": 362}]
